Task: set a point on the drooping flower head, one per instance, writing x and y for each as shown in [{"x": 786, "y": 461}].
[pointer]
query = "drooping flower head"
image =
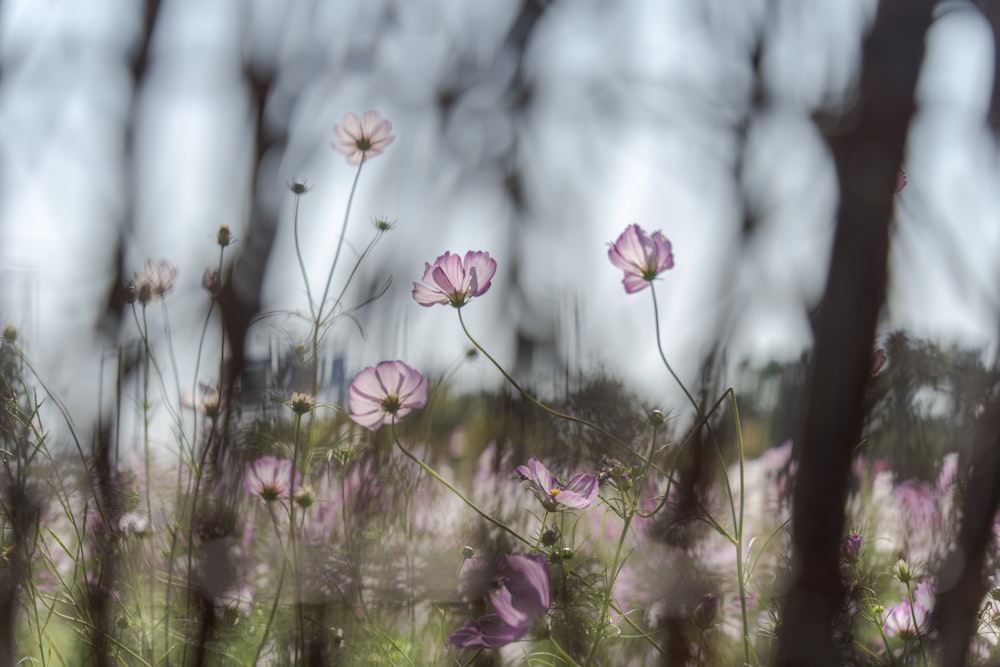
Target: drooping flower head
[
  {"x": 553, "y": 494},
  {"x": 155, "y": 281},
  {"x": 454, "y": 280},
  {"x": 387, "y": 391},
  {"x": 361, "y": 138},
  {"x": 270, "y": 478},
  {"x": 518, "y": 590},
  {"x": 641, "y": 256}
]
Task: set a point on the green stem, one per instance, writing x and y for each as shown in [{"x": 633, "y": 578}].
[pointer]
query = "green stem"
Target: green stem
[
  {"x": 534, "y": 401},
  {"x": 739, "y": 535},
  {"x": 298, "y": 254},
  {"x": 916, "y": 626},
  {"x": 663, "y": 356},
  {"x": 630, "y": 511},
  {"x": 318, "y": 317},
  {"x": 878, "y": 622},
  {"x": 541, "y": 532},
  {"x": 451, "y": 487}
]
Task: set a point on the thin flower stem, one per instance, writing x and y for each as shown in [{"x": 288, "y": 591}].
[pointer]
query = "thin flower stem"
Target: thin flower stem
[
  {"x": 534, "y": 401},
  {"x": 663, "y": 356},
  {"x": 318, "y": 314},
  {"x": 916, "y": 626},
  {"x": 296, "y": 574},
  {"x": 298, "y": 254},
  {"x": 562, "y": 653},
  {"x": 448, "y": 485},
  {"x": 541, "y": 532},
  {"x": 340, "y": 243},
  {"x": 274, "y": 610},
  {"x": 630, "y": 512},
  {"x": 878, "y": 624},
  {"x": 739, "y": 533}
]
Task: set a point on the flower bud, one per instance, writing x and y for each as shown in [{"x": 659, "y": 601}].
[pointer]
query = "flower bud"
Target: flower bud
[
  {"x": 903, "y": 572},
  {"x": 548, "y": 538},
  {"x": 9, "y": 332},
  {"x": 302, "y": 403},
  {"x": 304, "y": 496},
  {"x": 850, "y": 548},
  {"x": 298, "y": 187},
  {"x": 131, "y": 292},
  {"x": 383, "y": 224},
  {"x": 468, "y": 552},
  {"x": 225, "y": 237},
  {"x": 704, "y": 613},
  {"x": 656, "y": 418}
]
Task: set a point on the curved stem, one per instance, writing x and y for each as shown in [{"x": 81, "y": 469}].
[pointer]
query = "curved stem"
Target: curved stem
[
  {"x": 451, "y": 487},
  {"x": 663, "y": 356},
  {"x": 318, "y": 313},
  {"x": 340, "y": 242},
  {"x": 534, "y": 401}
]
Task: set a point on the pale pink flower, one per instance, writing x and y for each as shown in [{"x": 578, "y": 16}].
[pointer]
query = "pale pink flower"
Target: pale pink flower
[
  {"x": 386, "y": 392},
  {"x": 212, "y": 281},
  {"x": 361, "y": 138},
  {"x": 155, "y": 281},
  {"x": 452, "y": 280},
  {"x": 270, "y": 478},
  {"x": 641, "y": 256}
]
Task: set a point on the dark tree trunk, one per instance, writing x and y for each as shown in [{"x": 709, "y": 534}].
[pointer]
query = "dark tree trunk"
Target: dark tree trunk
[{"x": 868, "y": 155}]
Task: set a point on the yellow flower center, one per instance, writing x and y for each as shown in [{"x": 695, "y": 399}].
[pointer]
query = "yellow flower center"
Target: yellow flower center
[{"x": 554, "y": 492}]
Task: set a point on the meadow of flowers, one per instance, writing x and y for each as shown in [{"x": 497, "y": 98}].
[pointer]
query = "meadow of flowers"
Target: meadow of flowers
[{"x": 409, "y": 525}]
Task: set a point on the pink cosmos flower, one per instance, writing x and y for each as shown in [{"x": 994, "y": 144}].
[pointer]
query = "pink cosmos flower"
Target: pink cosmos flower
[
  {"x": 518, "y": 591},
  {"x": 641, "y": 256},
  {"x": 270, "y": 478},
  {"x": 361, "y": 138},
  {"x": 156, "y": 281},
  {"x": 386, "y": 392},
  {"x": 454, "y": 280},
  {"x": 898, "y": 620},
  {"x": 578, "y": 494}
]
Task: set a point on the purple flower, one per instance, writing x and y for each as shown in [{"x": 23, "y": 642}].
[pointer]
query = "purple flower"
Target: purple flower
[
  {"x": 850, "y": 548},
  {"x": 452, "y": 280},
  {"x": 578, "y": 494},
  {"x": 518, "y": 592},
  {"x": 359, "y": 138},
  {"x": 386, "y": 392},
  {"x": 641, "y": 256},
  {"x": 270, "y": 478}
]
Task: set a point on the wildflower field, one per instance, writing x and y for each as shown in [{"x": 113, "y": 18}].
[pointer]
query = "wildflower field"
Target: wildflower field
[{"x": 405, "y": 523}]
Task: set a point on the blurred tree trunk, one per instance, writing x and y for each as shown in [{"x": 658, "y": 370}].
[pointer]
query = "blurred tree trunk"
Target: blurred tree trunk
[
  {"x": 961, "y": 585},
  {"x": 868, "y": 155}
]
